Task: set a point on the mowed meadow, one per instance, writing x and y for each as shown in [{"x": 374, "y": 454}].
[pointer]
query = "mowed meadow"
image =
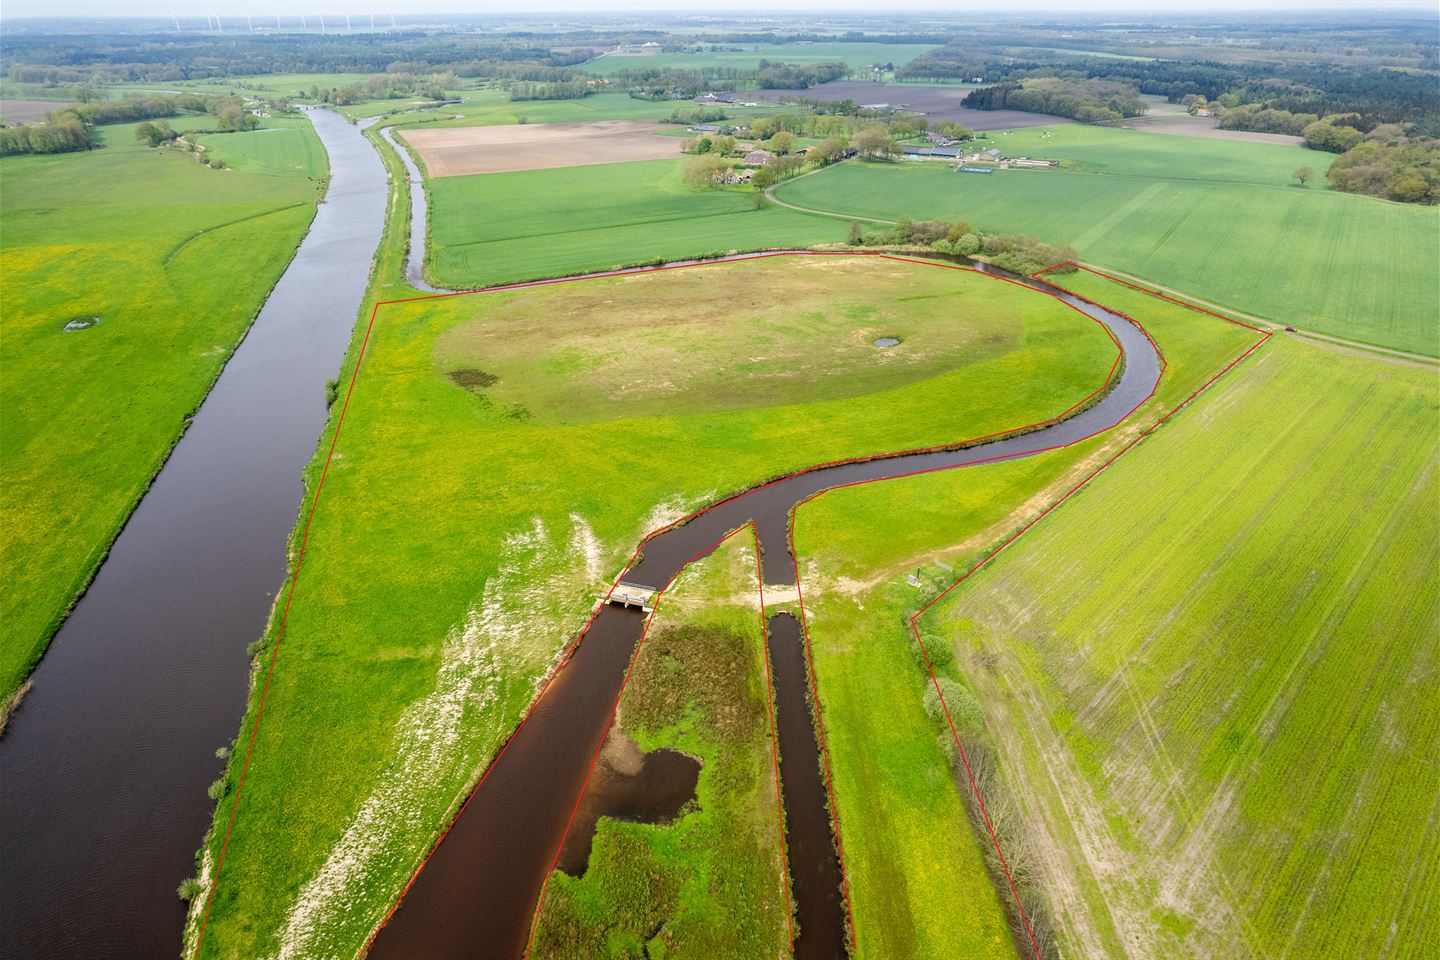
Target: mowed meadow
[
  {"x": 1217, "y": 721},
  {"x": 924, "y": 881},
  {"x": 473, "y": 508},
  {"x": 499, "y": 227},
  {"x": 174, "y": 260},
  {"x": 1216, "y": 219}
]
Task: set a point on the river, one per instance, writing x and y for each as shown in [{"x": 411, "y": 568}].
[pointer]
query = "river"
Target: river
[
  {"x": 104, "y": 767},
  {"x": 475, "y": 896}
]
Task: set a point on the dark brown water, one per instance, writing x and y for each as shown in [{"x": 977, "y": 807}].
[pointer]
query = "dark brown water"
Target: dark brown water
[
  {"x": 809, "y": 842},
  {"x": 476, "y": 897},
  {"x": 628, "y": 784},
  {"x": 104, "y": 767}
]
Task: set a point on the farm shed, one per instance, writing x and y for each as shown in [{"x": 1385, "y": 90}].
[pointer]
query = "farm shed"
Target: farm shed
[{"x": 758, "y": 158}]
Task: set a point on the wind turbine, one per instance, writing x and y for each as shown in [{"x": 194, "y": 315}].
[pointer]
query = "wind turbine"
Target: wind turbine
[
  {"x": 218, "y": 28},
  {"x": 322, "y": 24},
  {"x": 347, "y": 22},
  {"x": 372, "y": 21},
  {"x": 304, "y": 24},
  {"x": 250, "y": 22},
  {"x": 176, "y": 18},
  {"x": 392, "y": 20},
  {"x": 277, "y": 23}
]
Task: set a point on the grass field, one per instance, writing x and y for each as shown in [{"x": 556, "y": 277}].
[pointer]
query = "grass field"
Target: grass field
[
  {"x": 488, "y": 107},
  {"x": 175, "y": 260},
  {"x": 853, "y": 54},
  {"x": 461, "y": 537},
  {"x": 910, "y": 853},
  {"x": 712, "y": 883},
  {"x": 1214, "y": 218},
  {"x": 493, "y": 228},
  {"x": 1218, "y": 719},
  {"x": 285, "y": 147}
]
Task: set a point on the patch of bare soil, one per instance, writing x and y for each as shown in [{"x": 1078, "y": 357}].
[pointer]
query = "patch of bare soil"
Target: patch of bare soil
[
  {"x": 28, "y": 111},
  {"x": 457, "y": 151}
]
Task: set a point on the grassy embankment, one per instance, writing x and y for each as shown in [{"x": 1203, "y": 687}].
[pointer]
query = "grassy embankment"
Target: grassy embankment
[
  {"x": 1218, "y": 219},
  {"x": 910, "y": 854},
  {"x": 1219, "y": 718},
  {"x": 175, "y": 259},
  {"x": 710, "y": 884},
  {"x": 463, "y": 530}
]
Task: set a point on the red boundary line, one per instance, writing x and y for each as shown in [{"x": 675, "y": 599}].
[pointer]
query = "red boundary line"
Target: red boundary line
[
  {"x": 634, "y": 659},
  {"x": 320, "y": 486},
  {"x": 913, "y": 622}
]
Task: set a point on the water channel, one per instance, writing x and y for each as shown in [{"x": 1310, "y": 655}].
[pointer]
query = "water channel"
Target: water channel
[
  {"x": 476, "y": 894},
  {"x": 104, "y": 767}
]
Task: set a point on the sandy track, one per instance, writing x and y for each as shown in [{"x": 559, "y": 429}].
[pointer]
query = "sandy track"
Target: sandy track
[{"x": 455, "y": 151}]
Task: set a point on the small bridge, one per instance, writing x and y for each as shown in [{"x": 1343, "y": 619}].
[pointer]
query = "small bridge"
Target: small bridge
[{"x": 632, "y": 595}]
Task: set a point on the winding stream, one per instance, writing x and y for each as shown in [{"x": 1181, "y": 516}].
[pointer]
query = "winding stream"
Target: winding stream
[
  {"x": 106, "y": 762},
  {"x": 476, "y": 895}
]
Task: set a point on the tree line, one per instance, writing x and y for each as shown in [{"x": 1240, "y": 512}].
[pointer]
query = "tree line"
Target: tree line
[
  {"x": 1090, "y": 101},
  {"x": 1320, "y": 87},
  {"x": 68, "y": 128},
  {"x": 1014, "y": 252}
]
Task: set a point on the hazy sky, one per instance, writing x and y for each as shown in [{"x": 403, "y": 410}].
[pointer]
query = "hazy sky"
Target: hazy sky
[{"x": 361, "y": 8}]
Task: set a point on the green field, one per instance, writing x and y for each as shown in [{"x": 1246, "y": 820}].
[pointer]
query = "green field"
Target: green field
[
  {"x": 1214, "y": 218},
  {"x": 285, "y": 147},
  {"x": 712, "y": 883},
  {"x": 453, "y": 520},
  {"x": 1218, "y": 719},
  {"x": 854, "y": 54},
  {"x": 175, "y": 259},
  {"x": 910, "y": 853},
  {"x": 499, "y": 227}
]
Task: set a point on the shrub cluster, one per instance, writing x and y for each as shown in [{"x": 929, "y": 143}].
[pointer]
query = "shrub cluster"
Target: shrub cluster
[{"x": 1016, "y": 253}]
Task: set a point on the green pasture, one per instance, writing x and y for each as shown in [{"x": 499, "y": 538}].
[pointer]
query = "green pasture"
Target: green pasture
[
  {"x": 712, "y": 883},
  {"x": 499, "y": 227},
  {"x": 488, "y": 107},
  {"x": 1335, "y": 263},
  {"x": 1131, "y": 153},
  {"x": 284, "y": 147},
  {"x": 853, "y": 54},
  {"x": 910, "y": 853},
  {"x": 1211, "y": 674},
  {"x": 462, "y": 535},
  {"x": 175, "y": 259}
]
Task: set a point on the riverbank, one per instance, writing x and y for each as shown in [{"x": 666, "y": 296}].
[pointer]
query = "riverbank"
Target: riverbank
[
  {"x": 439, "y": 448},
  {"x": 168, "y": 311},
  {"x": 99, "y": 807}
]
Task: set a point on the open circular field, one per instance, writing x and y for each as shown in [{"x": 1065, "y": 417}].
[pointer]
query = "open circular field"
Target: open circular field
[{"x": 744, "y": 335}]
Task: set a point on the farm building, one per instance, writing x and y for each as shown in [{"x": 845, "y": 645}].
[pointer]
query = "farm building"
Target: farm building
[
  {"x": 948, "y": 153},
  {"x": 758, "y": 158},
  {"x": 732, "y": 175}
]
